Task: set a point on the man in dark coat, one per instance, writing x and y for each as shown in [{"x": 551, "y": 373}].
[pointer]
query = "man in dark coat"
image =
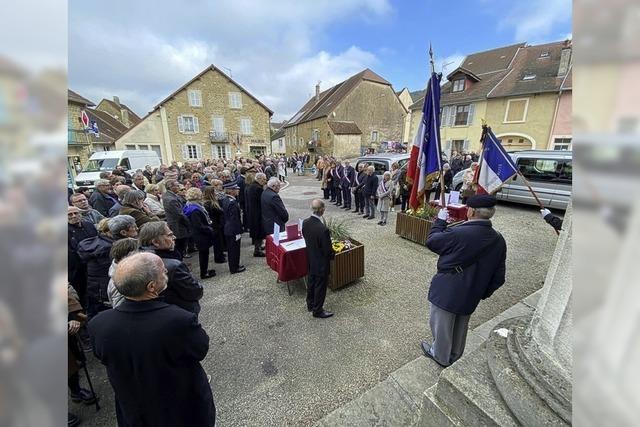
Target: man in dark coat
[
  {"x": 241, "y": 197},
  {"x": 103, "y": 198},
  {"x": 177, "y": 220},
  {"x": 232, "y": 227},
  {"x": 253, "y": 206},
  {"x": 471, "y": 267},
  {"x": 358, "y": 183},
  {"x": 338, "y": 175},
  {"x": 319, "y": 254},
  {"x": 183, "y": 289},
  {"x": 348, "y": 177},
  {"x": 152, "y": 351},
  {"x": 456, "y": 162},
  {"x": 78, "y": 230},
  {"x": 273, "y": 210},
  {"x": 369, "y": 193}
]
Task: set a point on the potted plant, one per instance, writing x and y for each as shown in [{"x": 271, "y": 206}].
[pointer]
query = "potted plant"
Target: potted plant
[
  {"x": 348, "y": 263},
  {"x": 415, "y": 225}
]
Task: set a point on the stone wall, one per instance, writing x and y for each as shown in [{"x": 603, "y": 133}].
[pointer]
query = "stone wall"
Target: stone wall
[
  {"x": 305, "y": 131},
  {"x": 346, "y": 146}
]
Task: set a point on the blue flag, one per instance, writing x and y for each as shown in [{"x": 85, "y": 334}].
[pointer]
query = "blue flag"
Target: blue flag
[{"x": 497, "y": 165}]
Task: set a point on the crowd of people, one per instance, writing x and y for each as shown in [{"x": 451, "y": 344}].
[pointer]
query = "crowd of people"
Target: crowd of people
[{"x": 129, "y": 241}]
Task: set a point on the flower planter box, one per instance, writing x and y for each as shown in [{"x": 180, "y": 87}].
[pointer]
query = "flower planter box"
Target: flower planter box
[
  {"x": 347, "y": 266},
  {"x": 413, "y": 228}
]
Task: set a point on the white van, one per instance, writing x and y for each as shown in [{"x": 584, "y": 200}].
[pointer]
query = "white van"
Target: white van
[{"x": 132, "y": 160}]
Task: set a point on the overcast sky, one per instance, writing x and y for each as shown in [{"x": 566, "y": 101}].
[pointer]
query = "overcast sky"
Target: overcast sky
[{"x": 278, "y": 50}]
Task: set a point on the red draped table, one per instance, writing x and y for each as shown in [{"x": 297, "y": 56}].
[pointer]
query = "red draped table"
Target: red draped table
[
  {"x": 288, "y": 264},
  {"x": 457, "y": 212}
]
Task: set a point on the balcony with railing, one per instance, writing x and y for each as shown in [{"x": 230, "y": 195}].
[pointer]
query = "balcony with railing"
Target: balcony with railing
[{"x": 77, "y": 137}]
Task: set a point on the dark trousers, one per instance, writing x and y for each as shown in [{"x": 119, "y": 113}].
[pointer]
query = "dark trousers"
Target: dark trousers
[
  {"x": 338, "y": 192},
  {"x": 327, "y": 193},
  {"x": 404, "y": 199},
  {"x": 218, "y": 246},
  {"x": 233, "y": 253},
  {"x": 332, "y": 192},
  {"x": 356, "y": 197},
  {"x": 181, "y": 245},
  {"x": 319, "y": 178},
  {"x": 203, "y": 259},
  {"x": 346, "y": 196},
  {"x": 316, "y": 292}
]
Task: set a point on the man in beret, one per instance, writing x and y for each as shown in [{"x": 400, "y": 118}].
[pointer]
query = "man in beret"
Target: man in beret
[
  {"x": 232, "y": 226},
  {"x": 471, "y": 267}
]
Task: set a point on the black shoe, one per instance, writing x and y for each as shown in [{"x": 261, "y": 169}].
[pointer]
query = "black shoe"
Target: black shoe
[
  {"x": 84, "y": 396},
  {"x": 259, "y": 254},
  {"x": 186, "y": 256},
  {"x": 371, "y": 217},
  {"x": 210, "y": 273},
  {"x": 309, "y": 309},
  {"x": 365, "y": 216},
  {"x": 426, "y": 349},
  {"x": 356, "y": 211},
  {"x": 323, "y": 314},
  {"x": 379, "y": 222},
  {"x": 72, "y": 420},
  {"x": 239, "y": 270}
]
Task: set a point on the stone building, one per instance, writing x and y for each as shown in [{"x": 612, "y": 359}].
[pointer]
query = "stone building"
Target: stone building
[
  {"x": 365, "y": 106},
  {"x": 210, "y": 116},
  {"x": 79, "y": 146},
  {"x": 516, "y": 89},
  {"x": 119, "y": 111}
]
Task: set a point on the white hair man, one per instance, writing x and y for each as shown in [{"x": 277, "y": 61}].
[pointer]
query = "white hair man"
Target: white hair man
[{"x": 272, "y": 207}]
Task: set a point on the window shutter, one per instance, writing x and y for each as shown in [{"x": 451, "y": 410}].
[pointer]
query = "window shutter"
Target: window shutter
[
  {"x": 180, "y": 124},
  {"x": 470, "y": 116},
  {"x": 447, "y": 145},
  {"x": 443, "y": 116},
  {"x": 196, "y": 126},
  {"x": 465, "y": 146},
  {"x": 198, "y": 151},
  {"x": 452, "y": 116},
  {"x": 185, "y": 151}
]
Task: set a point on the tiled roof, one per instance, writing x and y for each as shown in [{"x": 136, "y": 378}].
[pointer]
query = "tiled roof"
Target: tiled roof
[
  {"x": 211, "y": 68},
  {"x": 492, "y": 60},
  {"x": 344, "y": 128},
  {"x": 110, "y": 128},
  {"x": 278, "y": 134},
  {"x": 330, "y": 98},
  {"x": 416, "y": 95},
  {"x": 133, "y": 117},
  {"x": 530, "y": 62},
  {"x": 567, "y": 84},
  {"x": 74, "y": 97}
]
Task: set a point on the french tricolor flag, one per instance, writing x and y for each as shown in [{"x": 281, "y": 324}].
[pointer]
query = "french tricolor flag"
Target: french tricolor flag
[{"x": 496, "y": 166}]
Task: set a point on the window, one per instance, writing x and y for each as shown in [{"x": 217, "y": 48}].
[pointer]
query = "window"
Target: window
[
  {"x": 462, "y": 115},
  {"x": 374, "y": 136},
  {"x": 221, "y": 151},
  {"x": 235, "y": 100},
  {"x": 457, "y": 145},
  {"x": 544, "y": 55},
  {"x": 195, "y": 98},
  {"x": 562, "y": 144},
  {"x": 143, "y": 147},
  {"x": 125, "y": 163},
  {"x": 156, "y": 149},
  {"x": 191, "y": 152},
  {"x": 316, "y": 135},
  {"x": 516, "y": 110},
  {"x": 188, "y": 124},
  {"x": 129, "y": 147},
  {"x": 245, "y": 127},
  {"x": 458, "y": 85},
  {"x": 256, "y": 151},
  {"x": 529, "y": 77},
  {"x": 546, "y": 170}
]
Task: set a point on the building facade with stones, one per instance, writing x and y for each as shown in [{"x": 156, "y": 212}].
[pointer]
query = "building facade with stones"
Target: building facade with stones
[
  {"x": 209, "y": 117},
  {"x": 119, "y": 111},
  {"x": 365, "y": 104},
  {"x": 79, "y": 144},
  {"x": 516, "y": 89}
]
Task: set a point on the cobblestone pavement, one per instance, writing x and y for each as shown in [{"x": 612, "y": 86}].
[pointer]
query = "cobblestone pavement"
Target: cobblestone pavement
[{"x": 272, "y": 364}]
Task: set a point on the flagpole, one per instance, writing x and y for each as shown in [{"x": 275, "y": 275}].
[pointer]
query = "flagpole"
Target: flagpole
[
  {"x": 483, "y": 137},
  {"x": 442, "y": 198}
]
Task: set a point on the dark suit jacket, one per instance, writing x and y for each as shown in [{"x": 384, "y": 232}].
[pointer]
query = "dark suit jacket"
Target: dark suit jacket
[
  {"x": 241, "y": 184},
  {"x": 461, "y": 292},
  {"x": 349, "y": 175},
  {"x": 319, "y": 249},
  {"x": 102, "y": 203},
  {"x": 152, "y": 351},
  {"x": 177, "y": 221},
  {"x": 253, "y": 210},
  {"x": 273, "y": 211},
  {"x": 370, "y": 185},
  {"x": 232, "y": 223}
]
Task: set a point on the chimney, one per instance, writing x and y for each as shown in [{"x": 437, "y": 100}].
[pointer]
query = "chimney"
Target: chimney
[
  {"x": 565, "y": 60},
  {"x": 116, "y": 100},
  {"x": 125, "y": 117},
  {"x": 318, "y": 92}
]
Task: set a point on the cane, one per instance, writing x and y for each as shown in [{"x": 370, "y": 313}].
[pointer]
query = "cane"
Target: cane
[{"x": 86, "y": 372}]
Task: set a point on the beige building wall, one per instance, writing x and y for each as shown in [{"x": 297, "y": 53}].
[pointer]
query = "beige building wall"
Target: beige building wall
[
  {"x": 470, "y": 134},
  {"x": 374, "y": 107},
  {"x": 215, "y": 88},
  {"x": 346, "y": 146},
  {"x": 537, "y": 124},
  {"x": 304, "y": 133},
  {"x": 148, "y": 133}
]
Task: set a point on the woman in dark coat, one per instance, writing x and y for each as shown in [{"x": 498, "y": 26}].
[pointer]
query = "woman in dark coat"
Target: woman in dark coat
[
  {"x": 201, "y": 231},
  {"x": 254, "y": 213},
  {"x": 216, "y": 215}
]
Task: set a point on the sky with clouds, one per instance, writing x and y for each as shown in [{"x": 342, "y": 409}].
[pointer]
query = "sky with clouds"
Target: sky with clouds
[{"x": 278, "y": 50}]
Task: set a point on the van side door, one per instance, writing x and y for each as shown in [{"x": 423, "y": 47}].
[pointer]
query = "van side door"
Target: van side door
[
  {"x": 564, "y": 176},
  {"x": 541, "y": 174}
]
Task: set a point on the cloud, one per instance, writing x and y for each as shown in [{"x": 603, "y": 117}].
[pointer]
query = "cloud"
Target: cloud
[
  {"x": 534, "y": 20},
  {"x": 145, "y": 52}
]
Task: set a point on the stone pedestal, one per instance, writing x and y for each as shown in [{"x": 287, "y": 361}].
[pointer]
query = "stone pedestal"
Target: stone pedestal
[{"x": 522, "y": 374}]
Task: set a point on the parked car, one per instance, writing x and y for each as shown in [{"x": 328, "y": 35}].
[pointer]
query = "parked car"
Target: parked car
[
  {"x": 132, "y": 160},
  {"x": 549, "y": 173},
  {"x": 382, "y": 162}
]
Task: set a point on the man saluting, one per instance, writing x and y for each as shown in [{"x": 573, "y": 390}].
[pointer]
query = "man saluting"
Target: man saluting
[{"x": 471, "y": 267}]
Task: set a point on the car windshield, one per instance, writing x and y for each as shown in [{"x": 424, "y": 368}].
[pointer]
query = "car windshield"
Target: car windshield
[{"x": 101, "y": 165}]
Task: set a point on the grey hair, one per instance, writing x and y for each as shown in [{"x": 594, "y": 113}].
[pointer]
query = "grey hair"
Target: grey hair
[
  {"x": 134, "y": 283},
  {"x": 371, "y": 168},
  {"x": 387, "y": 173},
  {"x": 131, "y": 197},
  {"x": 273, "y": 181},
  {"x": 484, "y": 213},
  {"x": 102, "y": 182},
  {"x": 260, "y": 175},
  {"x": 120, "y": 223},
  {"x": 316, "y": 206},
  {"x": 150, "y": 231}
]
